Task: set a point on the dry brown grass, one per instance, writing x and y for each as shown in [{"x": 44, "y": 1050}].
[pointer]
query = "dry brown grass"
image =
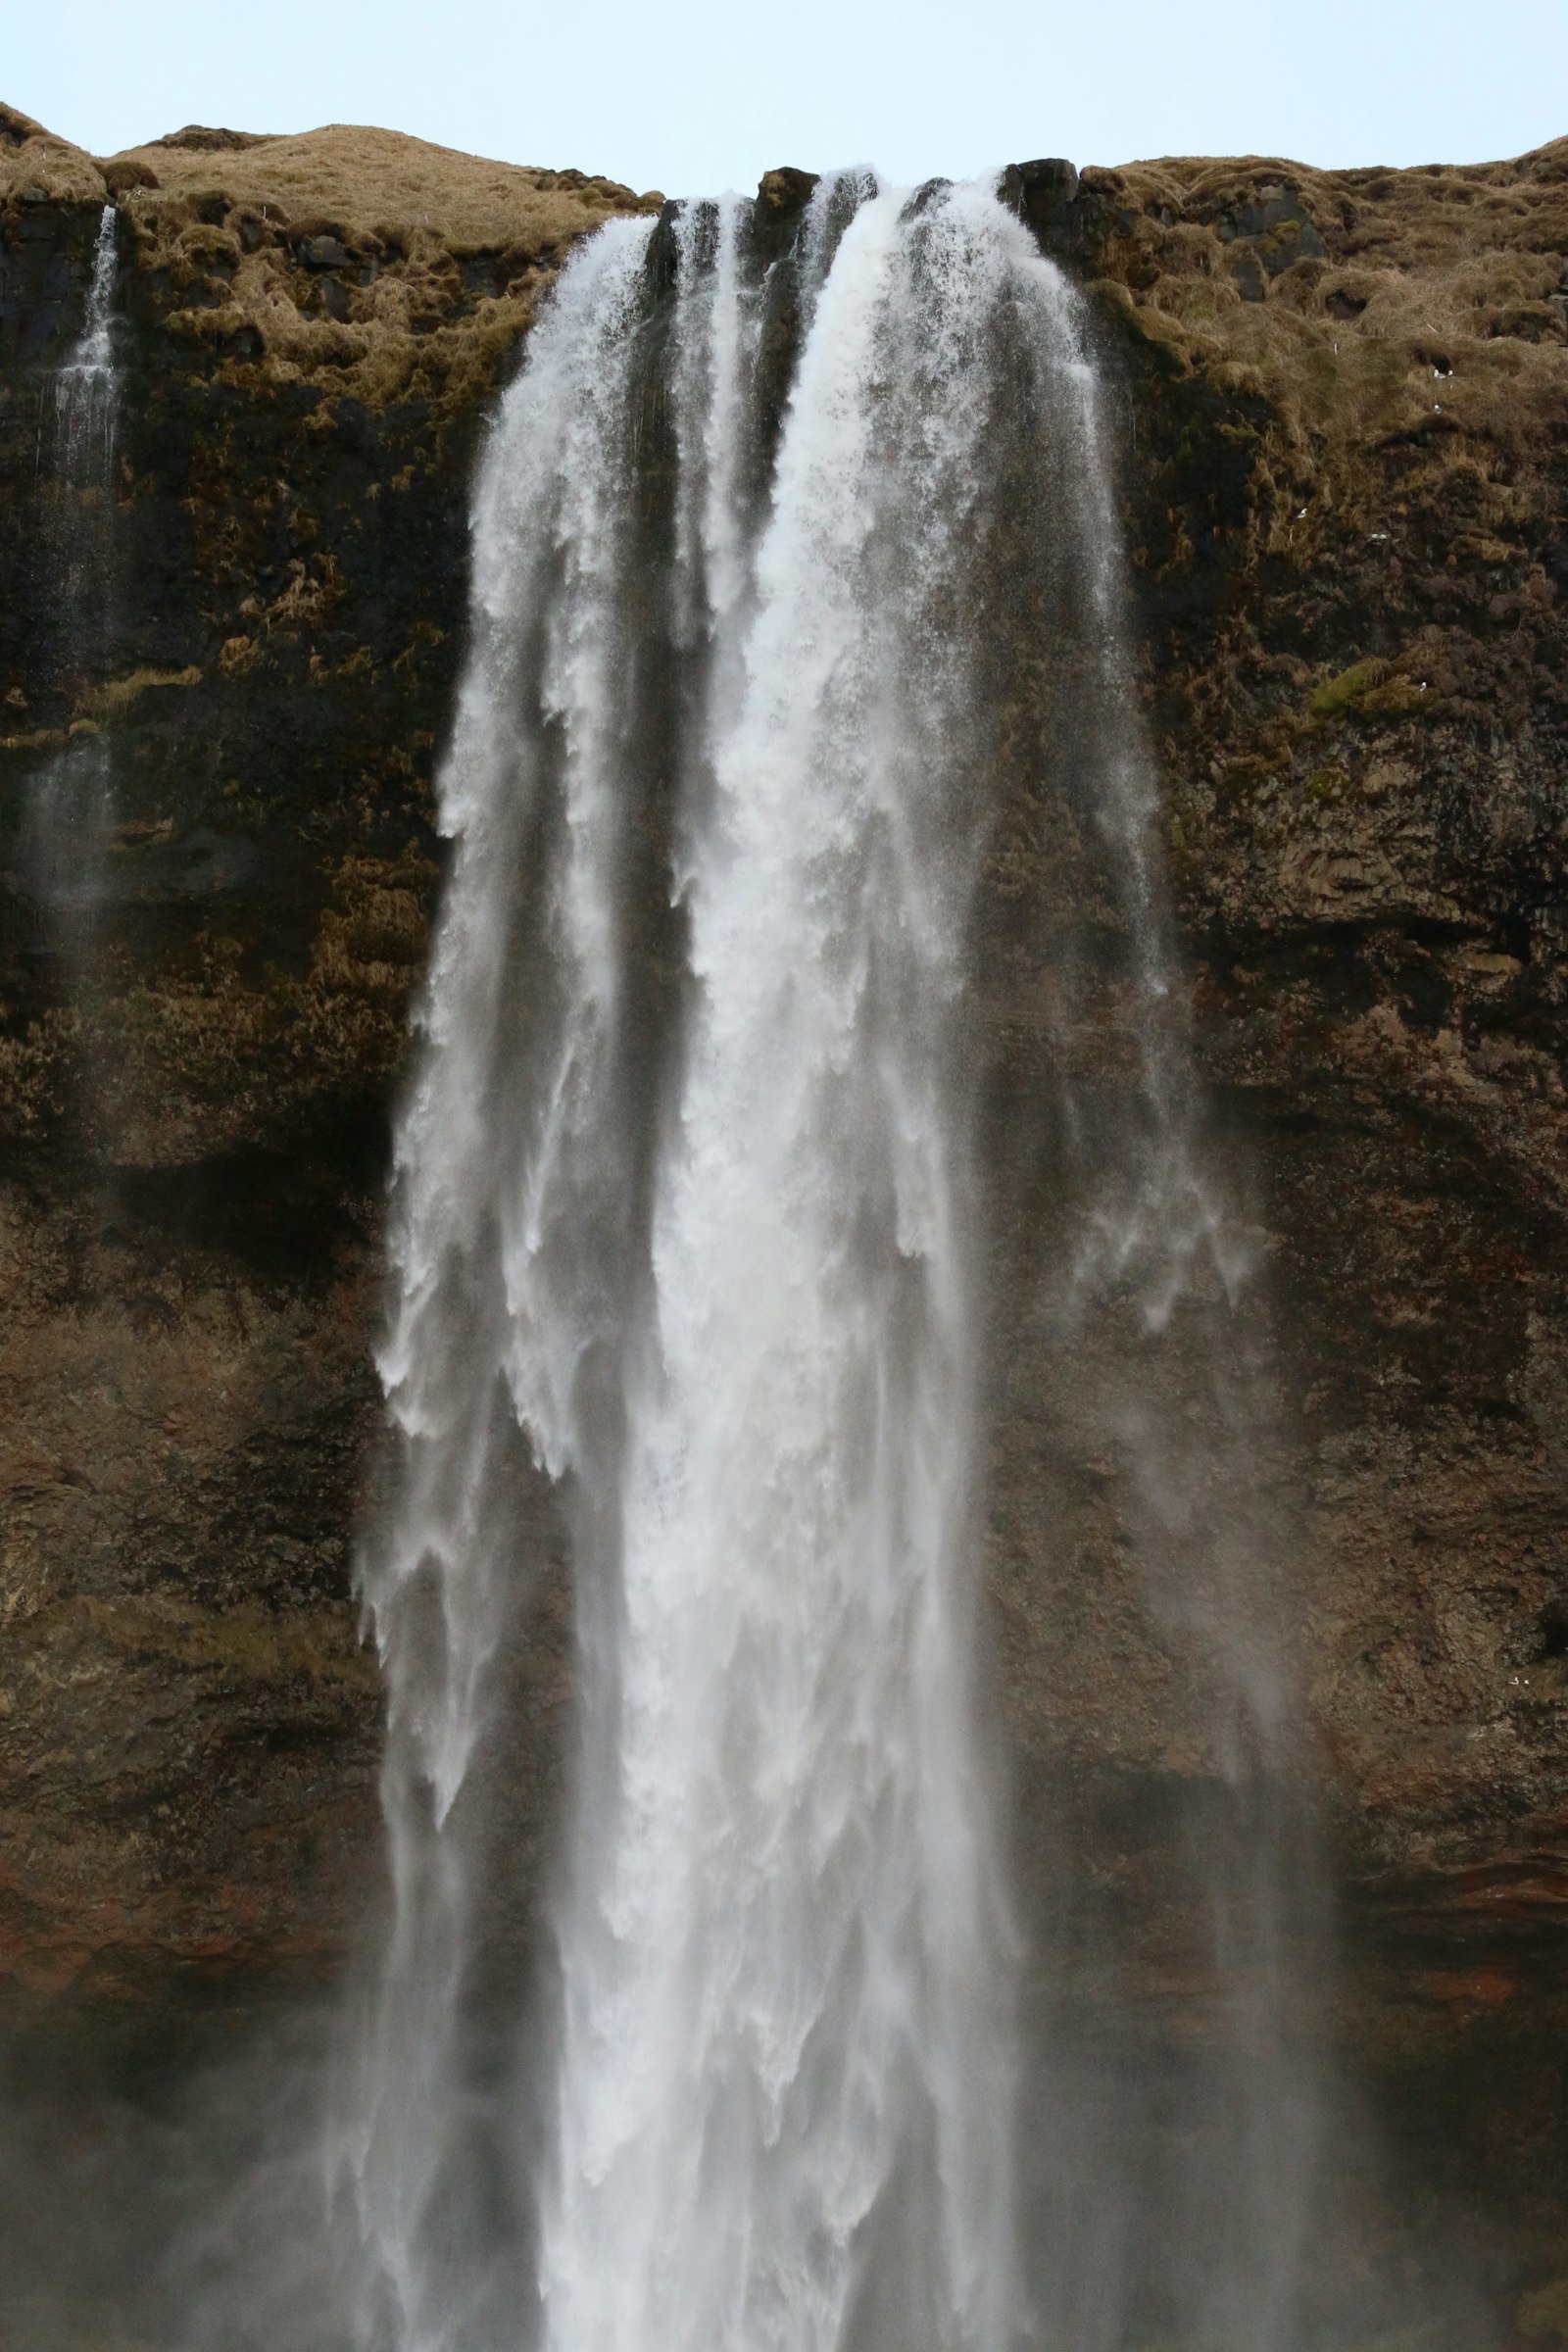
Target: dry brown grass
[
  {"x": 446, "y": 253},
  {"x": 35, "y": 163},
  {"x": 1433, "y": 321},
  {"x": 378, "y": 184}
]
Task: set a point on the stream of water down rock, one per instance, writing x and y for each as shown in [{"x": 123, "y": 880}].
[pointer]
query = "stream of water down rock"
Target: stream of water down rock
[
  {"x": 68, "y": 822},
  {"x": 688, "y": 1231}
]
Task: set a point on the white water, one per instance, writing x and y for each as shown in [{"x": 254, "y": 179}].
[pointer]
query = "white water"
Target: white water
[
  {"x": 711, "y": 1247},
  {"x": 782, "y": 2015},
  {"x": 502, "y": 1160},
  {"x": 84, "y": 387},
  {"x": 69, "y": 812}
]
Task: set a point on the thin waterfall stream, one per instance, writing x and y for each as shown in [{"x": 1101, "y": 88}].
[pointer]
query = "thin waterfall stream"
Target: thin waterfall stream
[
  {"x": 67, "y": 827},
  {"x": 692, "y": 1272}
]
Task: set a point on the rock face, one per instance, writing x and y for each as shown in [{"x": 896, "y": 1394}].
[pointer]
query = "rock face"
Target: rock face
[{"x": 1340, "y": 404}]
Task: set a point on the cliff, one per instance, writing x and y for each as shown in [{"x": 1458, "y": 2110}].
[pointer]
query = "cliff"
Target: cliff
[
  {"x": 1343, "y": 409},
  {"x": 195, "y": 1106},
  {"x": 1341, "y": 414}
]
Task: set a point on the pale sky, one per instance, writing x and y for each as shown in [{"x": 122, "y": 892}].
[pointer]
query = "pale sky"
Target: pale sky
[{"x": 692, "y": 96}]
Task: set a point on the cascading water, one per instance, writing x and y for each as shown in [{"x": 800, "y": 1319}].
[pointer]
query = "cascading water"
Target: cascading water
[
  {"x": 507, "y": 1247},
  {"x": 1174, "y": 2193},
  {"x": 782, "y": 2090},
  {"x": 68, "y": 821},
  {"x": 688, "y": 1252},
  {"x": 83, "y": 406}
]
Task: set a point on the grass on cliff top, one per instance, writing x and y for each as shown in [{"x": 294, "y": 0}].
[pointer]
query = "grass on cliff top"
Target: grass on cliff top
[
  {"x": 364, "y": 182},
  {"x": 32, "y": 158},
  {"x": 226, "y": 216},
  {"x": 1431, "y": 317},
  {"x": 227, "y": 219},
  {"x": 363, "y": 178},
  {"x": 1435, "y": 313}
]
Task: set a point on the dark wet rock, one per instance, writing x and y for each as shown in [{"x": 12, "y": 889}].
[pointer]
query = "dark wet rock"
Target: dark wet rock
[
  {"x": 1247, "y": 273},
  {"x": 781, "y": 198},
  {"x": 324, "y": 253},
  {"x": 1043, "y": 193},
  {"x": 1277, "y": 225}
]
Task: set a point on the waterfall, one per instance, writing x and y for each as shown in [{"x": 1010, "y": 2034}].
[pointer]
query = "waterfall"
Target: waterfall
[
  {"x": 780, "y": 2037},
  {"x": 67, "y": 823},
  {"x": 507, "y": 1248},
  {"x": 688, "y": 1258},
  {"x": 84, "y": 389}
]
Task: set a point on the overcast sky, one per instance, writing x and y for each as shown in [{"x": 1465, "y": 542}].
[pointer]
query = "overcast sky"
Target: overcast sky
[{"x": 693, "y": 96}]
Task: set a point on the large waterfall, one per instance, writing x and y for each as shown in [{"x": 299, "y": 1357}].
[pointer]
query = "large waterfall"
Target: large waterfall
[
  {"x": 690, "y": 1266},
  {"x": 781, "y": 2014}
]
